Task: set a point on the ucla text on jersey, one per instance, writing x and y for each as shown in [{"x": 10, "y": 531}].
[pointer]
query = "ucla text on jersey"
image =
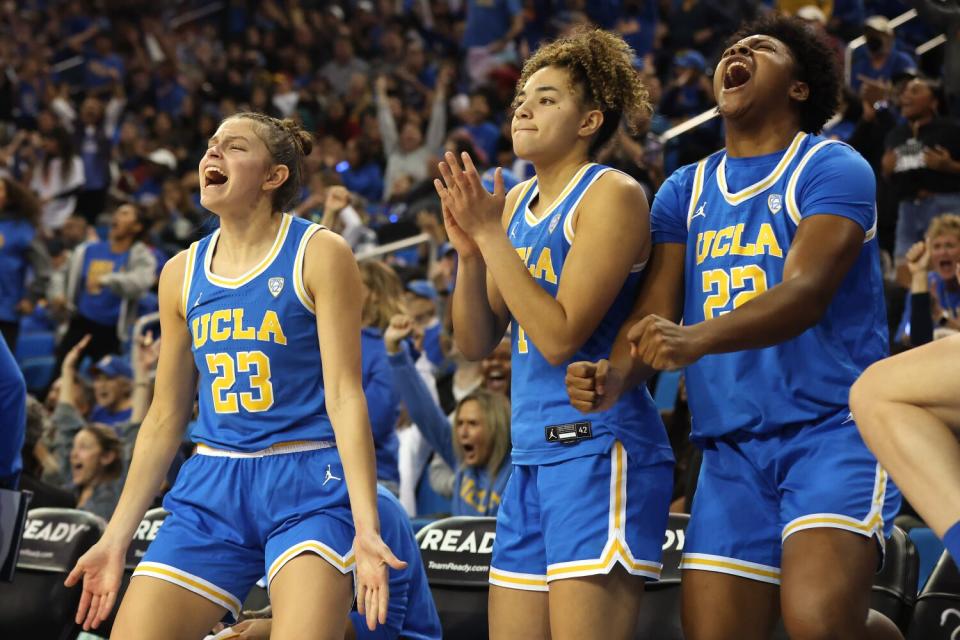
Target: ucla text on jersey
[
  {"x": 738, "y": 218},
  {"x": 256, "y": 348}
]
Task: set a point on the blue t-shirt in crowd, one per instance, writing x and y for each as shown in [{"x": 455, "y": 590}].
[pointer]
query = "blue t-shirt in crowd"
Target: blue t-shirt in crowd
[
  {"x": 96, "y": 302},
  {"x": 16, "y": 237},
  {"x": 488, "y": 21},
  {"x": 897, "y": 62}
]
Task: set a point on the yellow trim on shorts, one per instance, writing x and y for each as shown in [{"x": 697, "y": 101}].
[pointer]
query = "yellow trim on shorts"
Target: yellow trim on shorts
[
  {"x": 191, "y": 582},
  {"x": 616, "y": 549},
  {"x": 872, "y": 523},
  {"x": 528, "y": 582},
  {"x": 343, "y": 564},
  {"x": 722, "y": 564}
]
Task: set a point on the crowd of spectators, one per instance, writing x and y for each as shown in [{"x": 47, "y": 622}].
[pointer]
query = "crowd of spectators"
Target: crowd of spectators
[{"x": 106, "y": 108}]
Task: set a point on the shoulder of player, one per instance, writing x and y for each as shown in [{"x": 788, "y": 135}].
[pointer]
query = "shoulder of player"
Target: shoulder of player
[
  {"x": 616, "y": 190},
  {"x": 327, "y": 252},
  {"x": 833, "y": 158}
]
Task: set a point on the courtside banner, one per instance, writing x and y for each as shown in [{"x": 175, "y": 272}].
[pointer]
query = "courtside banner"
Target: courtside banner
[
  {"x": 53, "y": 539},
  {"x": 143, "y": 536},
  {"x": 457, "y": 551}
]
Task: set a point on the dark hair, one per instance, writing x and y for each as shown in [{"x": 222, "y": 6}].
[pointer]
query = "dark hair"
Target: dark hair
[
  {"x": 21, "y": 202},
  {"x": 601, "y": 67},
  {"x": 65, "y": 146},
  {"x": 109, "y": 442},
  {"x": 815, "y": 65},
  {"x": 144, "y": 217},
  {"x": 288, "y": 145}
]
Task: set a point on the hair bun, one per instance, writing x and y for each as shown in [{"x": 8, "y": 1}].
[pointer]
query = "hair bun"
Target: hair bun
[{"x": 300, "y": 136}]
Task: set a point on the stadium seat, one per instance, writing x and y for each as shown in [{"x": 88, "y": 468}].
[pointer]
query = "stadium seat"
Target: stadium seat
[
  {"x": 929, "y": 548},
  {"x": 38, "y": 373},
  {"x": 456, "y": 553},
  {"x": 36, "y": 604},
  {"x": 34, "y": 345},
  {"x": 937, "y": 612},
  {"x": 37, "y": 322},
  {"x": 895, "y": 587},
  {"x": 660, "y": 608}
]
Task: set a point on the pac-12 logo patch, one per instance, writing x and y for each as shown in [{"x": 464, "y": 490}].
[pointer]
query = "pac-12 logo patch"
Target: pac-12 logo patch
[
  {"x": 275, "y": 285},
  {"x": 554, "y": 223},
  {"x": 775, "y": 202}
]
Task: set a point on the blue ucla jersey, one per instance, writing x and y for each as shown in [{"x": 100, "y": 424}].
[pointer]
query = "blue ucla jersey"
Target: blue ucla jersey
[
  {"x": 545, "y": 427},
  {"x": 16, "y": 236},
  {"x": 738, "y": 218},
  {"x": 256, "y": 348}
]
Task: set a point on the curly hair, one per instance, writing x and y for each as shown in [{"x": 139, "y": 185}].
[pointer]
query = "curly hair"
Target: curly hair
[
  {"x": 815, "y": 65},
  {"x": 600, "y": 65}
]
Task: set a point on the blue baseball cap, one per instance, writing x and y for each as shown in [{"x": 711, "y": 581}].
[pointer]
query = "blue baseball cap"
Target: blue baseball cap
[
  {"x": 422, "y": 288},
  {"x": 112, "y": 367},
  {"x": 690, "y": 59}
]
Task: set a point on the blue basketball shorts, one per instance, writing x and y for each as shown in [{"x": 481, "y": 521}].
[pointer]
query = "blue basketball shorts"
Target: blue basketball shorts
[
  {"x": 757, "y": 490},
  {"x": 581, "y": 517},
  {"x": 235, "y": 517}
]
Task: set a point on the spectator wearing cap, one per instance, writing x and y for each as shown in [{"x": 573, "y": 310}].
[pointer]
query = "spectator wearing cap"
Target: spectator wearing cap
[
  {"x": 880, "y": 59},
  {"x": 689, "y": 92},
  {"x": 21, "y": 246},
  {"x": 105, "y": 281},
  {"x": 111, "y": 391},
  {"x": 946, "y": 16},
  {"x": 90, "y": 455},
  {"x": 422, "y": 302},
  {"x": 922, "y": 162}
]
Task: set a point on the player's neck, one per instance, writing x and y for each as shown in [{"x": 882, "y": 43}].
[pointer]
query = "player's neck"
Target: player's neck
[
  {"x": 247, "y": 235},
  {"x": 552, "y": 178},
  {"x": 749, "y": 139}
]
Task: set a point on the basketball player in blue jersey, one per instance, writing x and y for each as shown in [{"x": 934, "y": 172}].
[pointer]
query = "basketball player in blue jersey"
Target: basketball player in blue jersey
[
  {"x": 908, "y": 410},
  {"x": 767, "y": 251},
  {"x": 581, "y": 522},
  {"x": 257, "y": 303}
]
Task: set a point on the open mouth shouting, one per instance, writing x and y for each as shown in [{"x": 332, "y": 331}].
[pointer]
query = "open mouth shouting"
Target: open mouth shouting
[
  {"x": 214, "y": 177},
  {"x": 737, "y": 73}
]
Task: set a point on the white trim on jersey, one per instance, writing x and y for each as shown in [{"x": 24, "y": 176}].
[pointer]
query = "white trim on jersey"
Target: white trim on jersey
[
  {"x": 757, "y": 187},
  {"x": 188, "y": 278},
  {"x": 302, "y": 294},
  {"x": 793, "y": 209},
  {"x": 257, "y": 269}
]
